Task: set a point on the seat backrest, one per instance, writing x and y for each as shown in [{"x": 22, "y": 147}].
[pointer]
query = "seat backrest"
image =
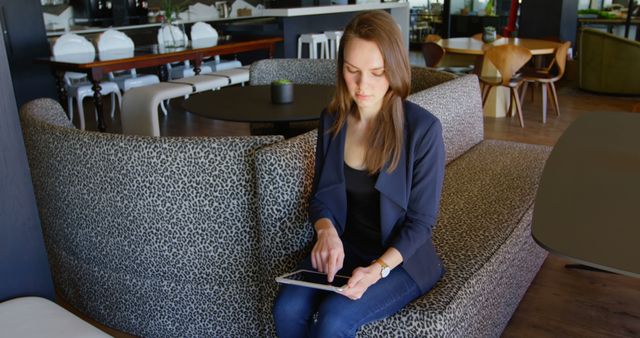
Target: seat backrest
[
  {"x": 172, "y": 36},
  {"x": 174, "y": 216},
  {"x": 114, "y": 40},
  {"x": 432, "y": 53},
  {"x": 203, "y": 30},
  {"x": 70, "y": 43},
  {"x": 300, "y": 71},
  {"x": 560, "y": 58},
  {"x": 432, "y": 38},
  {"x": 508, "y": 59}
]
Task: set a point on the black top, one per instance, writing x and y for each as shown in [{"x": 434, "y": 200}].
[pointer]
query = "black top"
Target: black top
[{"x": 362, "y": 230}]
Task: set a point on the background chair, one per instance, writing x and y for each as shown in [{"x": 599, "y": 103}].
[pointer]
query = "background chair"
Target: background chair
[
  {"x": 508, "y": 59},
  {"x": 75, "y": 46},
  {"x": 204, "y": 32},
  {"x": 113, "y": 41},
  {"x": 432, "y": 53},
  {"x": 547, "y": 77},
  {"x": 608, "y": 63},
  {"x": 177, "y": 71}
]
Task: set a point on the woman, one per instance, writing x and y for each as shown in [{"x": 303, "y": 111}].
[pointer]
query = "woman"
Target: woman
[{"x": 378, "y": 177}]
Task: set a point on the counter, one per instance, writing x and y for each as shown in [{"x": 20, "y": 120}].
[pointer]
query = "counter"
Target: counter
[{"x": 399, "y": 10}]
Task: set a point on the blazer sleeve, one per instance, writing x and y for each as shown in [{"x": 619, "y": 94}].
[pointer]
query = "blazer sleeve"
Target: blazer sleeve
[
  {"x": 424, "y": 197},
  {"x": 317, "y": 209}
]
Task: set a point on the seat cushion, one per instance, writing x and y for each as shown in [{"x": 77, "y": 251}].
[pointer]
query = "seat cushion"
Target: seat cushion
[
  {"x": 484, "y": 239},
  {"x": 39, "y": 317}
]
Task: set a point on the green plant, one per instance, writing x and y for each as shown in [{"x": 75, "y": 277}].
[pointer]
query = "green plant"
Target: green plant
[
  {"x": 171, "y": 10},
  {"x": 280, "y": 82}
]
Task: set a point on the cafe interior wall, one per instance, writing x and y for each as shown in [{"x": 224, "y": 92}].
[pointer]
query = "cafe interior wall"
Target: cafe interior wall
[{"x": 157, "y": 3}]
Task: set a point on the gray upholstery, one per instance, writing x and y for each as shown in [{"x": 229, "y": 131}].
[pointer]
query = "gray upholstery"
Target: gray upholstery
[
  {"x": 460, "y": 114},
  {"x": 153, "y": 236},
  {"x": 323, "y": 71},
  {"x": 300, "y": 71},
  {"x": 482, "y": 234}
]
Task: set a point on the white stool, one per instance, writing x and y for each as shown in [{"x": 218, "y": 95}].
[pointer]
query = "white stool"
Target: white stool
[
  {"x": 334, "y": 42},
  {"x": 313, "y": 40}
]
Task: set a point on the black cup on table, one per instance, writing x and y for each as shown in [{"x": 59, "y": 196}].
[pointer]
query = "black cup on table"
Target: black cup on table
[{"x": 281, "y": 91}]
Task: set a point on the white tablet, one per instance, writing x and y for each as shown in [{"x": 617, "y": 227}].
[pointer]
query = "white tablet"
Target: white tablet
[{"x": 314, "y": 279}]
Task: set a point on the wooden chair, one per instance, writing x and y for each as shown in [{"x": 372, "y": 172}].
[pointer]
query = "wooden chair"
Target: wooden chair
[
  {"x": 433, "y": 54},
  {"x": 547, "y": 77},
  {"x": 432, "y": 38},
  {"x": 508, "y": 59}
]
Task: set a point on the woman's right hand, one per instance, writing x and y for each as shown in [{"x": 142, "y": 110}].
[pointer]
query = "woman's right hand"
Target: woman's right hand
[{"x": 327, "y": 255}]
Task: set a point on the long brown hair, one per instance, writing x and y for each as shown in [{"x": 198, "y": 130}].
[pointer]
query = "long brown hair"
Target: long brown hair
[{"x": 385, "y": 138}]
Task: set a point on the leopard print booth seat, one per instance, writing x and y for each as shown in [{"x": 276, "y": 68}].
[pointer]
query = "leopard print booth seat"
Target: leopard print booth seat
[
  {"x": 157, "y": 237},
  {"x": 482, "y": 233}
]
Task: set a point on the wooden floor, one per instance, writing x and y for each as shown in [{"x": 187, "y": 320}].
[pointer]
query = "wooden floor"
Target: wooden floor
[{"x": 560, "y": 302}]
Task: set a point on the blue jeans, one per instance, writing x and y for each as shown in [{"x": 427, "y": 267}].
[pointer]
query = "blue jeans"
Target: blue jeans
[{"x": 305, "y": 312}]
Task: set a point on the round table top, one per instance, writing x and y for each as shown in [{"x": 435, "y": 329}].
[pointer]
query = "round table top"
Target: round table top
[
  {"x": 253, "y": 104},
  {"x": 476, "y": 47}
]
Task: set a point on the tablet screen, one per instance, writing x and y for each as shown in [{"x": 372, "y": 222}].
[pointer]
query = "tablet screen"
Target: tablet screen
[{"x": 317, "y": 278}]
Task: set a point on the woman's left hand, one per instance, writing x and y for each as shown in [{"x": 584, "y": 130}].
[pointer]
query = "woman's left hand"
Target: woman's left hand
[{"x": 361, "y": 279}]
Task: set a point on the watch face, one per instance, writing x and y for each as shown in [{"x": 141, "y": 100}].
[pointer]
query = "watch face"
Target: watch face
[{"x": 385, "y": 272}]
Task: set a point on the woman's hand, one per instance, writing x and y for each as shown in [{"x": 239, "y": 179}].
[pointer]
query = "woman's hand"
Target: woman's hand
[
  {"x": 327, "y": 255},
  {"x": 361, "y": 279}
]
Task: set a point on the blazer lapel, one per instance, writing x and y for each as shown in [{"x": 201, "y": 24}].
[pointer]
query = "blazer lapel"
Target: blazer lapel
[{"x": 393, "y": 194}]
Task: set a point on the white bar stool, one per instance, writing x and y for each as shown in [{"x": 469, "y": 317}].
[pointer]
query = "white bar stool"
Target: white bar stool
[
  {"x": 334, "y": 42},
  {"x": 313, "y": 40}
]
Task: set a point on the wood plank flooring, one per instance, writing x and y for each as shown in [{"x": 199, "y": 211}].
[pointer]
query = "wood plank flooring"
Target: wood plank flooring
[{"x": 560, "y": 302}]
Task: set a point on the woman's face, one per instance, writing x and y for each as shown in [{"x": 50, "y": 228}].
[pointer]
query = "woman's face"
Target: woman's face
[{"x": 364, "y": 75}]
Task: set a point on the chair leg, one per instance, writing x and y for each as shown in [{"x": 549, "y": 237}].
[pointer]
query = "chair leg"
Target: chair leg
[
  {"x": 554, "y": 94},
  {"x": 70, "y": 107},
  {"x": 486, "y": 94},
  {"x": 81, "y": 112},
  {"x": 163, "y": 107},
  {"x": 544, "y": 102},
  {"x": 113, "y": 105},
  {"x": 514, "y": 94},
  {"x": 523, "y": 92}
]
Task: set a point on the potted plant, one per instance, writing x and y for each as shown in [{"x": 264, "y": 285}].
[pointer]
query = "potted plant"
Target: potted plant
[
  {"x": 172, "y": 29},
  {"x": 281, "y": 91}
]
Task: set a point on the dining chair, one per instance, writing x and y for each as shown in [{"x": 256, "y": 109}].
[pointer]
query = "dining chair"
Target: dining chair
[
  {"x": 73, "y": 46},
  {"x": 203, "y": 34},
  {"x": 432, "y": 53},
  {"x": 432, "y": 38},
  {"x": 547, "y": 77},
  {"x": 178, "y": 70},
  {"x": 508, "y": 59}
]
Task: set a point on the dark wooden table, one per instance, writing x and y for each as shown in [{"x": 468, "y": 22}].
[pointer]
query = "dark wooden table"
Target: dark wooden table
[
  {"x": 588, "y": 202},
  {"x": 146, "y": 56},
  {"x": 253, "y": 104}
]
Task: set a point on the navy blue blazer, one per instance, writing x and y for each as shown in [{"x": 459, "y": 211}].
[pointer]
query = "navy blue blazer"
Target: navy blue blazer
[{"x": 409, "y": 196}]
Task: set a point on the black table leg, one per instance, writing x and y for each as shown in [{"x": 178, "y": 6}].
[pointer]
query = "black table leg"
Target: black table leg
[{"x": 97, "y": 101}]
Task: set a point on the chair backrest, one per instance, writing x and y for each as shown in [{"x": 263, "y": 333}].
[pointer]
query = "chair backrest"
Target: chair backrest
[
  {"x": 70, "y": 43},
  {"x": 432, "y": 38},
  {"x": 114, "y": 40},
  {"x": 433, "y": 53},
  {"x": 560, "y": 58},
  {"x": 300, "y": 71},
  {"x": 203, "y": 30},
  {"x": 172, "y": 36},
  {"x": 508, "y": 59}
]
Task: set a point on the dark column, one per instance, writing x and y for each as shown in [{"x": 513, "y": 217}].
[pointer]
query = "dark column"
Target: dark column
[
  {"x": 23, "y": 260},
  {"x": 549, "y": 18}
]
